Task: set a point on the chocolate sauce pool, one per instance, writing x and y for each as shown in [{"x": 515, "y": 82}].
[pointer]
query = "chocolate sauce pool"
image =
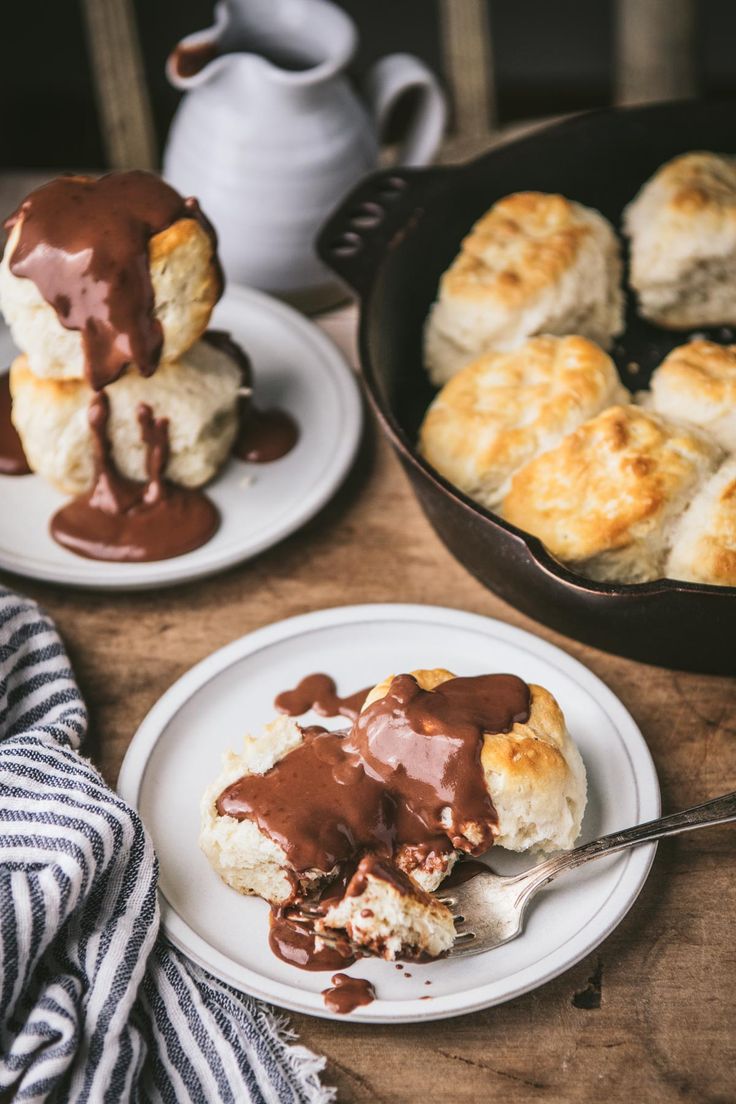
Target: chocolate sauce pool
[
  {"x": 348, "y": 993},
  {"x": 84, "y": 244},
  {"x": 120, "y": 519},
  {"x": 298, "y": 944},
  {"x": 407, "y": 776},
  {"x": 319, "y": 692},
  {"x": 265, "y": 435},
  {"x": 12, "y": 458}
]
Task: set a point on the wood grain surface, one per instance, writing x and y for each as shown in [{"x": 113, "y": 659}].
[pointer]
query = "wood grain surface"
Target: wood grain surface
[{"x": 650, "y": 1015}]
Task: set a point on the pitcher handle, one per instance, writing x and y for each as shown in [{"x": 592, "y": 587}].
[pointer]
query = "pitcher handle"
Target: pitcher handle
[{"x": 387, "y": 81}]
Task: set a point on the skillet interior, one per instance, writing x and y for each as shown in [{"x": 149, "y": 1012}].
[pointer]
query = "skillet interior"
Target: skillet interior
[{"x": 394, "y": 236}]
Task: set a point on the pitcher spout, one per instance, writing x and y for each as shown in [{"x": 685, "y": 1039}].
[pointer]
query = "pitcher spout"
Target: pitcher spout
[
  {"x": 199, "y": 56},
  {"x": 292, "y": 41}
]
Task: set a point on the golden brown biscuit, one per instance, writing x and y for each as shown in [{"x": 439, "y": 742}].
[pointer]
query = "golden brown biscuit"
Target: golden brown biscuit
[
  {"x": 682, "y": 226},
  {"x": 697, "y": 383},
  {"x": 704, "y": 544},
  {"x": 505, "y": 408},
  {"x": 186, "y": 284},
  {"x": 605, "y": 499},
  {"x": 534, "y": 263}
]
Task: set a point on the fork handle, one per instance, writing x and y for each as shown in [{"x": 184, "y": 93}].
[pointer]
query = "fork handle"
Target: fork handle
[{"x": 719, "y": 810}]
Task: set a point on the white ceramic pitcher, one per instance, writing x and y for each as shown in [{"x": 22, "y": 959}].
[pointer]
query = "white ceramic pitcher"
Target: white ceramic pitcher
[{"x": 270, "y": 134}]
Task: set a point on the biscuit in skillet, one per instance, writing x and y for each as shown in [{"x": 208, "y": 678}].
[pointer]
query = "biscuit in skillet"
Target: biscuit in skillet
[
  {"x": 505, "y": 408},
  {"x": 605, "y": 500},
  {"x": 697, "y": 383},
  {"x": 704, "y": 544},
  {"x": 682, "y": 226},
  {"x": 534, "y": 263}
]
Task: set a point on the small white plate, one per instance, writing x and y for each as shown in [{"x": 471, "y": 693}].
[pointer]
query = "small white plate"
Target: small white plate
[
  {"x": 177, "y": 751},
  {"x": 295, "y": 367}
]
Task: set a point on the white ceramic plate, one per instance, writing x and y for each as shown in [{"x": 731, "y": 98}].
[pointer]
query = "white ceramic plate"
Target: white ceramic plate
[
  {"x": 177, "y": 751},
  {"x": 296, "y": 367}
]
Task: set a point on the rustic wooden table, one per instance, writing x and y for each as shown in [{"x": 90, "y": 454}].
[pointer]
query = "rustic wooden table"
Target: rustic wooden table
[
  {"x": 647, "y": 1017},
  {"x": 650, "y": 1015}
]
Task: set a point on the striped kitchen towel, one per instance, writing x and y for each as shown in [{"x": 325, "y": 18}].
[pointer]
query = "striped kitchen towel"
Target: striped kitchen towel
[{"x": 95, "y": 1005}]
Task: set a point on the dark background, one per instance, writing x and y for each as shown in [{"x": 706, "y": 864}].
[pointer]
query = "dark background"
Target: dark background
[{"x": 550, "y": 57}]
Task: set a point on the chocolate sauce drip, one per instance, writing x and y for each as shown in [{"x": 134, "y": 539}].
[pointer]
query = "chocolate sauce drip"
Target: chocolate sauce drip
[
  {"x": 222, "y": 340},
  {"x": 84, "y": 244},
  {"x": 375, "y": 866},
  {"x": 408, "y": 774},
  {"x": 265, "y": 435},
  {"x": 319, "y": 692},
  {"x": 348, "y": 993},
  {"x": 120, "y": 519},
  {"x": 188, "y": 60},
  {"x": 12, "y": 458},
  {"x": 298, "y": 944}
]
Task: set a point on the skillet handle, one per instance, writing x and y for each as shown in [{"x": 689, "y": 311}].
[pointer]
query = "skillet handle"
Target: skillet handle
[{"x": 371, "y": 219}]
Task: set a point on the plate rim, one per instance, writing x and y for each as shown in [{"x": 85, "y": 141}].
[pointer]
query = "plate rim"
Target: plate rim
[
  {"x": 173, "y": 572},
  {"x": 638, "y": 861}
]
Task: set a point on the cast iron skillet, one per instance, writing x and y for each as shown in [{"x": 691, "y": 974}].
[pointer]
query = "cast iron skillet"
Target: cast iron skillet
[{"x": 394, "y": 235}]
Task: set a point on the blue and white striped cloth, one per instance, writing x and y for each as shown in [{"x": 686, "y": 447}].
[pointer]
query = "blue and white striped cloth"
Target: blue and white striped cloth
[{"x": 95, "y": 1005}]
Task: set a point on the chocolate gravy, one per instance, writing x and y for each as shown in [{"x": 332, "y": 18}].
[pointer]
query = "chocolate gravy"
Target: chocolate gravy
[
  {"x": 424, "y": 747},
  {"x": 299, "y": 945},
  {"x": 386, "y": 784},
  {"x": 12, "y": 458},
  {"x": 84, "y": 244},
  {"x": 348, "y": 993},
  {"x": 120, "y": 519},
  {"x": 222, "y": 340},
  {"x": 317, "y": 802},
  {"x": 265, "y": 435},
  {"x": 319, "y": 692},
  {"x": 377, "y": 867}
]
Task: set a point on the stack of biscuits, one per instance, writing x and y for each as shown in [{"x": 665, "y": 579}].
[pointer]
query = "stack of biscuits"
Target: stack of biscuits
[
  {"x": 195, "y": 385},
  {"x": 533, "y": 421}
]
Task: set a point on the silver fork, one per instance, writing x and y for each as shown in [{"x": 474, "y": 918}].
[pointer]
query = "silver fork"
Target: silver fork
[{"x": 489, "y": 908}]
